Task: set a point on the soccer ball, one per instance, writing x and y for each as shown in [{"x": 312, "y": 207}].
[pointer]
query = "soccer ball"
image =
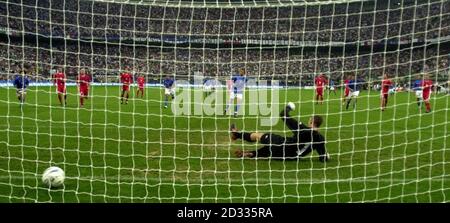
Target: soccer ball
[
  {"x": 53, "y": 177},
  {"x": 291, "y": 106}
]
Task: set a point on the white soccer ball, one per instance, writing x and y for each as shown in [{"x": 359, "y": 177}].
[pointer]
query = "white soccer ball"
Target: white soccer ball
[
  {"x": 53, "y": 177},
  {"x": 291, "y": 106}
]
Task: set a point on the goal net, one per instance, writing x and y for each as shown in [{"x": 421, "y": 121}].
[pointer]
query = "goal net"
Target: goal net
[{"x": 198, "y": 67}]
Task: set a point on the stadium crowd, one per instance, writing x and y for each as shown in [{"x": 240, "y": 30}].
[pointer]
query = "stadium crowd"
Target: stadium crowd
[
  {"x": 109, "y": 60},
  {"x": 355, "y": 22},
  {"x": 325, "y": 23}
]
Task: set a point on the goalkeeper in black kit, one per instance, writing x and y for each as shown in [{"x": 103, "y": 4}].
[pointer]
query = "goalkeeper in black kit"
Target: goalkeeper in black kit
[{"x": 304, "y": 140}]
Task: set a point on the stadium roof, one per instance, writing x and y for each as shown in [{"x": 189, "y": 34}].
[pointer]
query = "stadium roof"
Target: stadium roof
[
  {"x": 238, "y": 3},
  {"x": 262, "y": 3}
]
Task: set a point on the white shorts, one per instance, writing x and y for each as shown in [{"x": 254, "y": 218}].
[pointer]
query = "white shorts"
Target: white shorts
[
  {"x": 331, "y": 88},
  {"x": 21, "y": 92},
  {"x": 419, "y": 94},
  {"x": 237, "y": 95},
  {"x": 353, "y": 94},
  {"x": 207, "y": 88},
  {"x": 170, "y": 91}
]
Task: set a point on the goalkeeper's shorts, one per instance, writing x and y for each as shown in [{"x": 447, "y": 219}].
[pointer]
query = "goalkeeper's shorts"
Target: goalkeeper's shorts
[{"x": 272, "y": 139}]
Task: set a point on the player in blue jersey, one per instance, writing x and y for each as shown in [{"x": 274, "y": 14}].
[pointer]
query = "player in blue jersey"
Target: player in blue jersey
[
  {"x": 169, "y": 89},
  {"x": 417, "y": 88},
  {"x": 237, "y": 88},
  {"x": 21, "y": 83},
  {"x": 209, "y": 86},
  {"x": 355, "y": 85}
]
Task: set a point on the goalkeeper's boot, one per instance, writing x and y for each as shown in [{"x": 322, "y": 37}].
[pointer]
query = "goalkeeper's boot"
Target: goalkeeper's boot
[
  {"x": 242, "y": 154},
  {"x": 287, "y": 109},
  {"x": 239, "y": 153},
  {"x": 233, "y": 130}
]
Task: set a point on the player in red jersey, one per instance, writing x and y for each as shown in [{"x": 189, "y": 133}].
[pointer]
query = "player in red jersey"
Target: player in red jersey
[
  {"x": 141, "y": 84},
  {"x": 126, "y": 79},
  {"x": 83, "y": 81},
  {"x": 385, "y": 85},
  {"x": 320, "y": 83},
  {"x": 347, "y": 89},
  {"x": 427, "y": 84},
  {"x": 59, "y": 79}
]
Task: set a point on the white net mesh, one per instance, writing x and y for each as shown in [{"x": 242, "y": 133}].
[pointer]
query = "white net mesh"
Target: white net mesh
[{"x": 144, "y": 152}]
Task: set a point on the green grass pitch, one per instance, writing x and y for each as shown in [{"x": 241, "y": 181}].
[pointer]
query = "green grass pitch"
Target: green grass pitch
[{"x": 140, "y": 152}]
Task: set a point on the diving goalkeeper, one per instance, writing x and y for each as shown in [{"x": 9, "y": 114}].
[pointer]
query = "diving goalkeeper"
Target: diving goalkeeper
[{"x": 304, "y": 140}]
